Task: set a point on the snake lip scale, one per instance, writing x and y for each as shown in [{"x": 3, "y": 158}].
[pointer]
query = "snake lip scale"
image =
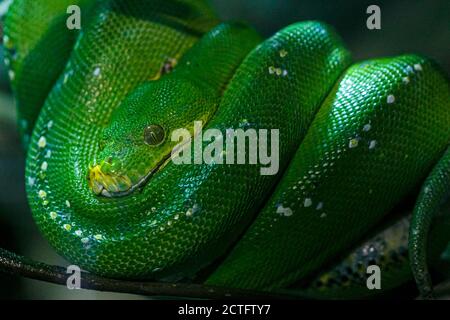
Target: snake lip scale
[{"x": 134, "y": 187}]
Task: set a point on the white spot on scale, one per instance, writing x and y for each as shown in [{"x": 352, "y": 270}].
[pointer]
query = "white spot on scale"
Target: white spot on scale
[
  {"x": 98, "y": 237},
  {"x": 367, "y": 127},
  {"x": 418, "y": 67},
  {"x": 42, "y": 194},
  {"x": 44, "y": 166},
  {"x": 307, "y": 203},
  {"x": 278, "y": 71},
  {"x": 50, "y": 124},
  {"x": 79, "y": 233},
  {"x": 11, "y": 75},
  {"x": 390, "y": 99},
  {"x": 405, "y": 80},
  {"x": 42, "y": 142},
  {"x": 4, "y": 6},
  {"x": 323, "y": 215},
  {"x": 68, "y": 227},
  {"x": 7, "y": 41},
  {"x": 85, "y": 240},
  {"x": 31, "y": 181},
  {"x": 97, "y": 71},
  {"x": 372, "y": 144},
  {"x": 271, "y": 70},
  {"x": 287, "y": 212},
  {"x": 353, "y": 143},
  {"x": 283, "y": 53},
  {"x": 243, "y": 123},
  {"x": 48, "y": 154},
  {"x": 67, "y": 204},
  {"x": 53, "y": 215},
  {"x": 319, "y": 206}
]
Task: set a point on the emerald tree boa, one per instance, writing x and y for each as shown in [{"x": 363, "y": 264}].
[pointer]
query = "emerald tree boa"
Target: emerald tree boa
[{"x": 99, "y": 107}]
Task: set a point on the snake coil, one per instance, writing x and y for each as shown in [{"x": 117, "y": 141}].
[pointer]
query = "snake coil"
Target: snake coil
[{"x": 97, "y": 109}]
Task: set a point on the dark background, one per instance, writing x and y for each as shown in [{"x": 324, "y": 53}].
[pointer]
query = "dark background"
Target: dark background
[{"x": 408, "y": 26}]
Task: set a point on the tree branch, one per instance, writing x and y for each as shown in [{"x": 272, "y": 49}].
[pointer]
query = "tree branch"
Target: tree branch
[
  {"x": 11, "y": 263},
  {"x": 14, "y": 264}
]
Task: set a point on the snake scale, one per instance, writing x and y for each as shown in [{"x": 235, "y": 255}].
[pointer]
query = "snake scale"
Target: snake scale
[{"x": 97, "y": 108}]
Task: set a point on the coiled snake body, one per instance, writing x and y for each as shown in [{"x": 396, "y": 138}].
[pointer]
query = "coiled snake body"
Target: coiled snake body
[{"x": 354, "y": 141}]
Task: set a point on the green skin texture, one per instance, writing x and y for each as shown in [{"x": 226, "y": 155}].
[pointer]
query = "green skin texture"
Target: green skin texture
[
  {"x": 347, "y": 155},
  {"x": 360, "y": 185},
  {"x": 31, "y": 57},
  {"x": 434, "y": 193}
]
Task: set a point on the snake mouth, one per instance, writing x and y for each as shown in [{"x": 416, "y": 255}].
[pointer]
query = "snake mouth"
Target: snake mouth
[{"x": 112, "y": 185}]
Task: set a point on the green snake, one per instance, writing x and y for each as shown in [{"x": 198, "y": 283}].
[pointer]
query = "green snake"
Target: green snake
[{"x": 97, "y": 108}]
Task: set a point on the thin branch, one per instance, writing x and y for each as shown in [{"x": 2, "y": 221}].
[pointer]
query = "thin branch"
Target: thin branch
[
  {"x": 14, "y": 264},
  {"x": 11, "y": 263}
]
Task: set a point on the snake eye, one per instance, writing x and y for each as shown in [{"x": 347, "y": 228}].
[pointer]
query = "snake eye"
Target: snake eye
[{"x": 154, "y": 135}]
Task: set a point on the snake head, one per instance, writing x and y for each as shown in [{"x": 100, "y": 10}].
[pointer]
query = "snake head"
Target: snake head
[{"x": 137, "y": 143}]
